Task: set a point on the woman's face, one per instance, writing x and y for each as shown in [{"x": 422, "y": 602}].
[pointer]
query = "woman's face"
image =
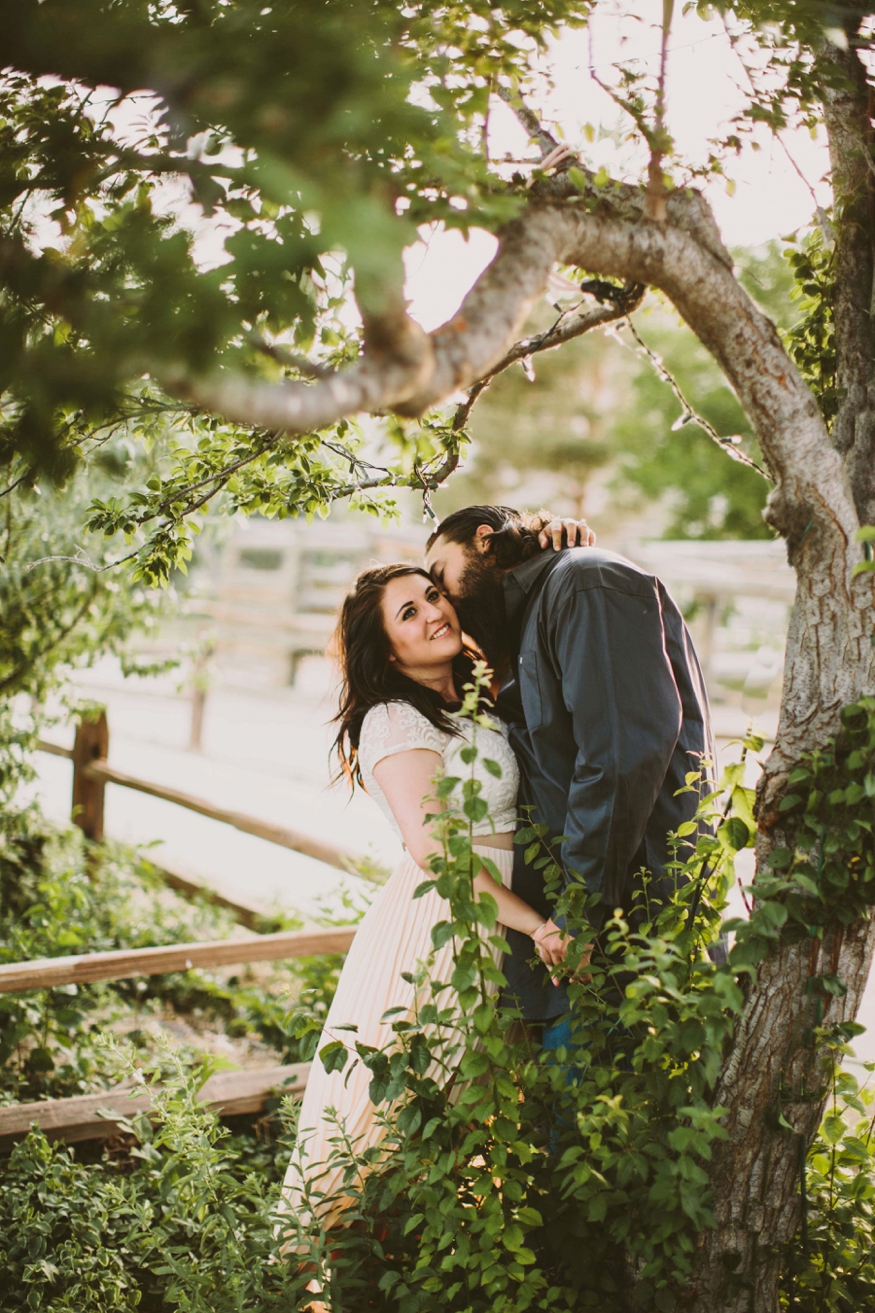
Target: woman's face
[{"x": 420, "y": 623}]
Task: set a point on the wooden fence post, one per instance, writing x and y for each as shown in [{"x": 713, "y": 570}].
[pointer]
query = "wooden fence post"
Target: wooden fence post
[{"x": 91, "y": 744}]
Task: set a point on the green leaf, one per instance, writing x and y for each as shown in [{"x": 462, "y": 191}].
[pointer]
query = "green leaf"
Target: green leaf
[
  {"x": 475, "y": 809},
  {"x": 734, "y": 834},
  {"x": 334, "y": 1056},
  {"x": 833, "y": 1127}
]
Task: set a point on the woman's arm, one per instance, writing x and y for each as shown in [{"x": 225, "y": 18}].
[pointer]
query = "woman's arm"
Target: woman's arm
[{"x": 407, "y": 781}]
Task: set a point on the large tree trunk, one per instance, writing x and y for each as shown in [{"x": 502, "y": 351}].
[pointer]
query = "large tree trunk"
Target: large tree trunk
[{"x": 848, "y": 107}]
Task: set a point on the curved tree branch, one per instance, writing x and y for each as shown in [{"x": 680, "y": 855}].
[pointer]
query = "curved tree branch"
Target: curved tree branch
[{"x": 422, "y": 371}]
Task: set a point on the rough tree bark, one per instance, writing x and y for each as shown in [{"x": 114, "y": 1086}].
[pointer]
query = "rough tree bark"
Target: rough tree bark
[{"x": 848, "y": 108}]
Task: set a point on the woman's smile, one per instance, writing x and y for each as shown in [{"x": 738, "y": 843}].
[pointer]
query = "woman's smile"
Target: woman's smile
[{"x": 422, "y": 627}]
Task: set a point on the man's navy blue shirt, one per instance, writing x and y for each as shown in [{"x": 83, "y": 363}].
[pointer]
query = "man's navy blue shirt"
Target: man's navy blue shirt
[{"x": 608, "y": 714}]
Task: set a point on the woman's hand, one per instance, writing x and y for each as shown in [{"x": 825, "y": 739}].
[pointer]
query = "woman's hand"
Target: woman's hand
[
  {"x": 552, "y": 945},
  {"x": 566, "y": 533}
]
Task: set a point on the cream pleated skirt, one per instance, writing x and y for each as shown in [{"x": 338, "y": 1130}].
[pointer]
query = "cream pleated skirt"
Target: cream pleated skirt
[{"x": 394, "y": 936}]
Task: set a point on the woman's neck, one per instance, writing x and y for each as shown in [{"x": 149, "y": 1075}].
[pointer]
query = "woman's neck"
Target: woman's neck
[{"x": 441, "y": 682}]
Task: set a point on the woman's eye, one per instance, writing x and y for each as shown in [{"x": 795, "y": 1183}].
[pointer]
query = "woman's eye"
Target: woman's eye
[{"x": 409, "y": 613}]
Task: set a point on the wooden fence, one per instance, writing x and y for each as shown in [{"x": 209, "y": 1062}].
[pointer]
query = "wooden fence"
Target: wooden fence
[
  {"x": 92, "y": 772},
  {"x": 96, "y": 1116}
]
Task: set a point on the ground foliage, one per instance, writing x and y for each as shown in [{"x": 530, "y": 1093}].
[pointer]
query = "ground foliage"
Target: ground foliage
[
  {"x": 59, "y": 895},
  {"x": 578, "y": 1182}
]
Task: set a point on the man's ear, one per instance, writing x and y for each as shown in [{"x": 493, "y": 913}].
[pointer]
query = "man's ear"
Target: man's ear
[{"x": 483, "y": 537}]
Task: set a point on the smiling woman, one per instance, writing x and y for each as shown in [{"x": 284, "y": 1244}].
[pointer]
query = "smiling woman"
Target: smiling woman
[
  {"x": 404, "y": 664},
  {"x": 424, "y": 630}
]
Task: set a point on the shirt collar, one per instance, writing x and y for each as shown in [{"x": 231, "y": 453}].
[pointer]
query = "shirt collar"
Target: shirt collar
[{"x": 522, "y": 581}]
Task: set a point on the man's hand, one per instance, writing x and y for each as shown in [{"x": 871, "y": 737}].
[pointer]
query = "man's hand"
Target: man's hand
[{"x": 566, "y": 533}]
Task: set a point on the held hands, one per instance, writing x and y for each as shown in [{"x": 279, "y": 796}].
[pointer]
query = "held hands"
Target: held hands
[
  {"x": 552, "y": 945},
  {"x": 577, "y": 534}
]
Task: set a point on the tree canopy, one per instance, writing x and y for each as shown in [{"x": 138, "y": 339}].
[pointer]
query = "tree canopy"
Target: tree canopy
[{"x": 204, "y": 212}]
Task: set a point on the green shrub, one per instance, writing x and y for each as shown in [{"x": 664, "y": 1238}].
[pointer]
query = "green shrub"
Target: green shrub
[
  {"x": 183, "y": 1223},
  {"x": 60, "y": 896},
  {"x": 578, "y": 1182}
]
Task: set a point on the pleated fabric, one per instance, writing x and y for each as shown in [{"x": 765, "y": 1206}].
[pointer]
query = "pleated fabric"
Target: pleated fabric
[{"x": 394, "y": 936}]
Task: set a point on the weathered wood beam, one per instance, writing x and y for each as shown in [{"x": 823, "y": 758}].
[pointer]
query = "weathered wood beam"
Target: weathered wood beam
[
  {"x": 329, "y": 853},
  {"x": 98, "y": 1116},
  {"x": 100, "y": 772},
  {"x": 120, "y": 964}
]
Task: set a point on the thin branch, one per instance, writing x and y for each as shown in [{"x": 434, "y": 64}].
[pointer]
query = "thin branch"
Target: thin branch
[
  {"x": 822, "y": 217},
  {"x": 689, "y": 415},
  {"x": 655, "y": 207},
  {"x": 686, "y": 209},
  {"x": 635, "y": 114},
  {"x": 13, "y": 486},
  {"x": 10, "y": 680},
  {"x": 530, "y": 121},
  {"x": 570, "y": 324}
]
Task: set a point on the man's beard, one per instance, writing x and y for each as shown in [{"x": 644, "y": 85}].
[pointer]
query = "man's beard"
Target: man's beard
[{"x": 479, "y": 604}]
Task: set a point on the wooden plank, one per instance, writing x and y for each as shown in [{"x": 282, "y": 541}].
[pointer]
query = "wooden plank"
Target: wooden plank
[
  {"x": 89, "y": 791},
  {"x": 54, "y": 749},
  {"x": 278, "y": 834},
  {"x": 96, "y": 1116},
  {"x": 119, "y": 964}
]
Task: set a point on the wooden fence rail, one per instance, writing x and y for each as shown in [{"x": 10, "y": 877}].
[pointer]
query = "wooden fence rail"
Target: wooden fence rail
[
  {"x": 121, "y": 964},
  {"x": 92, "y": 772},
  {"x": 97, "y": 1116}
]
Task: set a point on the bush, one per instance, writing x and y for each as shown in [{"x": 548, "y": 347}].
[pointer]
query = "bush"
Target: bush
[
  {"x": 184, "y": 1222},
  {"x": 58, "y": 896},
  {"x": 577, "y": 1181}
]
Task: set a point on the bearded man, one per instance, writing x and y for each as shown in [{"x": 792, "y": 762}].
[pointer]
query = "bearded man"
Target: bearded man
[{"x": 600, "y": 683}]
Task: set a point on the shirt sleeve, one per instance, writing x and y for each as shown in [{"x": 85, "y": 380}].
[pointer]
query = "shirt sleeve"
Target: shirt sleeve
[
  {"x": 393, "y": 727},
  {"x": 619, "y": 689}
]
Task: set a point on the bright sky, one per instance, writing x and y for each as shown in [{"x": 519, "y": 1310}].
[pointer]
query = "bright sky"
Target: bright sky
[{"x": 706, "y": 85}]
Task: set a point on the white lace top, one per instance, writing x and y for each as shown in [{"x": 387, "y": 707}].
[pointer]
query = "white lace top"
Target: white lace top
[{"x": 395, "y": 727}]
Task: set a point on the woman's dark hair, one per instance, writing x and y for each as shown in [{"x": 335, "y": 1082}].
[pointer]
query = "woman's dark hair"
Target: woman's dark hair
[
  {"x": 514, "y": 536},
  {"x": 362, "y": 647}
]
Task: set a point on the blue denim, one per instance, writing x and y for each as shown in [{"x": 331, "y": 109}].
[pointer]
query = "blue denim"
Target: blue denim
[{"x": 560, "y": 1035}]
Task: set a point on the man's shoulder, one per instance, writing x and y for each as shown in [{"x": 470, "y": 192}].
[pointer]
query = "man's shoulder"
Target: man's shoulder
[{"x": 584, "y": 568}]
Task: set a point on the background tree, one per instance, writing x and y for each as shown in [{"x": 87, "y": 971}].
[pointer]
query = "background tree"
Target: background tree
[{"x": 321, "y": 137}]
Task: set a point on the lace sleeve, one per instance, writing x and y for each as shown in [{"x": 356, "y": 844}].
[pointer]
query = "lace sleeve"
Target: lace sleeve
[{"x": 395, "y": 727}]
